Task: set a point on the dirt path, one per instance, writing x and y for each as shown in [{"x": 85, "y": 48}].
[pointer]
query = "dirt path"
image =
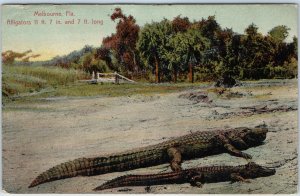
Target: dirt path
[{"x": 40, "y": 135}]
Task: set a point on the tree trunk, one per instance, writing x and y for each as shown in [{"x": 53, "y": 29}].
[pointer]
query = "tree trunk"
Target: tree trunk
[
  {"x": 175, "y": 75},
  {"x": 191, "y": 73},
  {"x": 157, "y": 78},
  {"x": 136, "y": 68}
]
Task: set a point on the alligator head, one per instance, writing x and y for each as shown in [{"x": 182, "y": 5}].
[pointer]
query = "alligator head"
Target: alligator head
[
  {"x": 251, "y": 136},
  {"x": 253, "y": 170}
]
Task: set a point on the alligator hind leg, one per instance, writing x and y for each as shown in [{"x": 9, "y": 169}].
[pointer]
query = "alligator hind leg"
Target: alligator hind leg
[
  {"x": 237, "y": 177},
  {"x": 197, "y": 180},
  {"x": 176, "y": 159}
]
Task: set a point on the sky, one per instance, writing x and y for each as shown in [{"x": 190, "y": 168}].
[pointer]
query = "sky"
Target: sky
[{"x": 50, "y": 40}]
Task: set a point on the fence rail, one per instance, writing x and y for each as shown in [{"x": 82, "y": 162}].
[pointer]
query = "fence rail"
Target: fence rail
[{"x": 110, "y": 78}]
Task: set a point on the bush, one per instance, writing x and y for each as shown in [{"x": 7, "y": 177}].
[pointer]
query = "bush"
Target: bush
[{"x": 99, "y": 66}]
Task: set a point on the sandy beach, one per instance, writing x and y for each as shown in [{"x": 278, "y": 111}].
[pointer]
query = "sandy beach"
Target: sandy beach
[{"x": 41, "y": 134}]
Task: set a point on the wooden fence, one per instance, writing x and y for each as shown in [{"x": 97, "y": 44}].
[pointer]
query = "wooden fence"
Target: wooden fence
[{"x": 110, "y": 78}]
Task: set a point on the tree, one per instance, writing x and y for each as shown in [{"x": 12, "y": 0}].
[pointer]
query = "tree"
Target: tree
[
  {"x": 104, "y": 54},
  {"x": 255, "y": 53},
  {"x": 71, "y": 60},
  {"x": 27, "y": 58},
  {"x": 124, "y": 40},
  {"x": 228, "y": 56},
  {"x": 180, "y": 24},
  {"x": 91, "y": 64},
  {"x": 251, "y": 31},
  {"x": 285, "y": 55},
  {"x": 9, "y": 56},
  {"x": 212, "y": 57},
  {"x": 279, "y": 33},
  {"x": 295, "y": 46},
  {"x": 153, "y": 45},
  {"x": 186, "y": 46},
  {"x": 209, "y": 29},
  {"x": 86, "y": 63}
]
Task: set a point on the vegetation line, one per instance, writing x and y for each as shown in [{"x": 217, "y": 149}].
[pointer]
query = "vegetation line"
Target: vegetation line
[{"x": 175, "y": 50}]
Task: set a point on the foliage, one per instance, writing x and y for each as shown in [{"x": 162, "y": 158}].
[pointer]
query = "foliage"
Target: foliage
[
  {"x": 180, "y": 24},
  {"x": 123, "y": 42},
  {"x": 105, "y": 55},
  {"x": 171, "y": 50},
  {"x": 9, "y": 56},
  {"x": 72, "y": 60},
  {"x": 279, "y": 33},
  {"x": 179, "y": 46},
  {"x": 153, "y": 46},
  {"x": 185, "y": 47}
]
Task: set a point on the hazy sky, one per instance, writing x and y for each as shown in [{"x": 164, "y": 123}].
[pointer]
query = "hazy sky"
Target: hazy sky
[{"x": 53, "y": 39}]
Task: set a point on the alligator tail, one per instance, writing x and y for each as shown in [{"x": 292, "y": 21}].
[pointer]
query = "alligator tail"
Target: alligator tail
[
  {"x": 144, "y": 180},
  {"x": 81, "y": 166},
  {"x": 99, "y": 165}
]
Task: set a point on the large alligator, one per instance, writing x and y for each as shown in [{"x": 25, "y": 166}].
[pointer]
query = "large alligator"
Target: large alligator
[
  {"x": 194, "y": 176},
  {"x": 194, "y": 145}
]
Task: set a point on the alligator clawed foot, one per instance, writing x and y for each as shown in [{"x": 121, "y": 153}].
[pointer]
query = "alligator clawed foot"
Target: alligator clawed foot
[
  {"x": 246, "y": 181},
  {"x": 198, "y": 184},
  {"x": 196, "y": 181},
  {"x": 247, "y": 156}
]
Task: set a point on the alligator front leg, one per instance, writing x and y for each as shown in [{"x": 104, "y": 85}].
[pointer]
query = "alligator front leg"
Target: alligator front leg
[
  {"x": 176, "y": 159},
  {"x": 236, "y": 141},
  {"x": 225, "y": 142}
]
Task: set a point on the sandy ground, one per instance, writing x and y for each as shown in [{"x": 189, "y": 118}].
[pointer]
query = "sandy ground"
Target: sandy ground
[{"x": 40, "y": 135}]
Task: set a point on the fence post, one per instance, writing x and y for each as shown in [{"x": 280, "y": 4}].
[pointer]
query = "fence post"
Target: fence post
[
  {"x": 93, "y": 75},
  {"x": 116, "y": 78}
]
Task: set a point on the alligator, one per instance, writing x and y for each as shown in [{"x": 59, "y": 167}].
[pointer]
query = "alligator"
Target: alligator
[
  {"x": 195, "y": 176},
  {"x": 194, "y": 145}
]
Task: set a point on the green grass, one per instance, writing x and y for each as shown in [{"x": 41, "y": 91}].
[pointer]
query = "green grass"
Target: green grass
[
  {"x": 112, "y": 90},
  {"x": 83, "y": 90},
  {"x": 25, "y": 83},
  {"x": 27, "y": 79}
]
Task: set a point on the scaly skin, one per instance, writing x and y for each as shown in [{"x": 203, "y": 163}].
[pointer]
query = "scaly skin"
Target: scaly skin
[
  {"x": 194, "y": 176},
  {"x": 198, "y": 144}
]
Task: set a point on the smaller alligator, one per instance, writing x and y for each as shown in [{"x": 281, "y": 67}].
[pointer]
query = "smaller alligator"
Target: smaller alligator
[{"x": 194, "y": 176}]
